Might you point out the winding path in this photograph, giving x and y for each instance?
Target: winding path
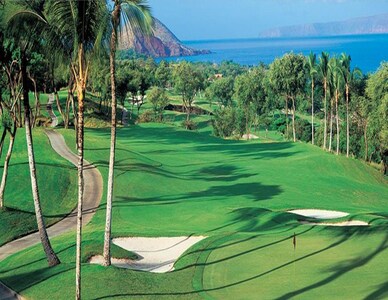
(92, 196)
(54, 119)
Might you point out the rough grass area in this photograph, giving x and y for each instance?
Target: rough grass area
(56, 181)
(171, 182)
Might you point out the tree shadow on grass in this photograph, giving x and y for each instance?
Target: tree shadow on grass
(345, 267)
(26, 280)
(253, 191)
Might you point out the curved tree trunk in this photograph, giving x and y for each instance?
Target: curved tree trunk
(325, 122)
(6, 165)
(50, 254)
(312, 111)
(2, 141)
(58, 103)
(108, 223)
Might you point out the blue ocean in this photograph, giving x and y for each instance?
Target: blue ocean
(366, 51)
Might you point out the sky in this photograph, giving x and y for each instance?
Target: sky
(222, 19)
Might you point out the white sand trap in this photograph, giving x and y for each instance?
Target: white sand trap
(339, 224)
(326, 214)
(319, 213)
(156, 255)
(249, 137)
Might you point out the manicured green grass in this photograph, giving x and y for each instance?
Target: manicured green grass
(171, 182)
(56, 182)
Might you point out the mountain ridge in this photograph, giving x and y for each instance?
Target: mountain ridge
(162, 43)
(377, 24)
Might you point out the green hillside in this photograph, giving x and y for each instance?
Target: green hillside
(171, 182)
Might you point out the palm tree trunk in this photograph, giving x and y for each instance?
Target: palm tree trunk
(325, 122)
(2, 140)
(81, 87)
(312, 111)
(347, 121)
(287, 117)
(108, 223)
(75, 117)
(337, 120)
(6, 164)
(293, 119)
(50, 254)
(331, 126)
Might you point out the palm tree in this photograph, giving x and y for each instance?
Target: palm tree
(324, 69)
(133, 15)
(312, 69)
(348, 77)
(337, 84)
(25, 34)
(10, 126)
(83, 25)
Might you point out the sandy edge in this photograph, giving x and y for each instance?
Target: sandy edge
(326, 214)
(157, 255)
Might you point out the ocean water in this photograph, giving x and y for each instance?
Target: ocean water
(366, 51)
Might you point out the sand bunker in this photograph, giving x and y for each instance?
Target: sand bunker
(326, 214)
(339, 224)
(319, 213)
(156, 255)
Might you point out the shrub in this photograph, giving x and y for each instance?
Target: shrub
(189, 124)
(224, 122)
(146, 117)
(303, 130)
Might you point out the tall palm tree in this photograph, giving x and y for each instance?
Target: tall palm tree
(312, 69)
(324, 69)
(127, 15)
(348, 77)
(83, 25)
(26, 34)
(337, 83)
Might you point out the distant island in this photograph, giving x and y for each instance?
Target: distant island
(163, 43)
(366, 25)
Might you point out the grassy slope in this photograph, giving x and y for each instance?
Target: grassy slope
(171, 182)
(56, 181)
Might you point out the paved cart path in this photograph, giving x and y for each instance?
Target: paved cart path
(92, 196)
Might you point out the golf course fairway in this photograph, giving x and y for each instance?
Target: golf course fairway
(171, 182)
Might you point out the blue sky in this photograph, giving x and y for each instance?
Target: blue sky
(220, 19)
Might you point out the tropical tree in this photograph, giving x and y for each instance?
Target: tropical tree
(287, 78)
(221, 90)
(82, 24)
(163, 74)
(324, 70)
(130, 15)
(159, 100)
(312, 70)
(348, 77)
(337, 84)
(10, 125)
(187, 82)
(377, 91)
(25, 34)
(250, 94)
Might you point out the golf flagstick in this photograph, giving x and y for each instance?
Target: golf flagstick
(294, 243)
